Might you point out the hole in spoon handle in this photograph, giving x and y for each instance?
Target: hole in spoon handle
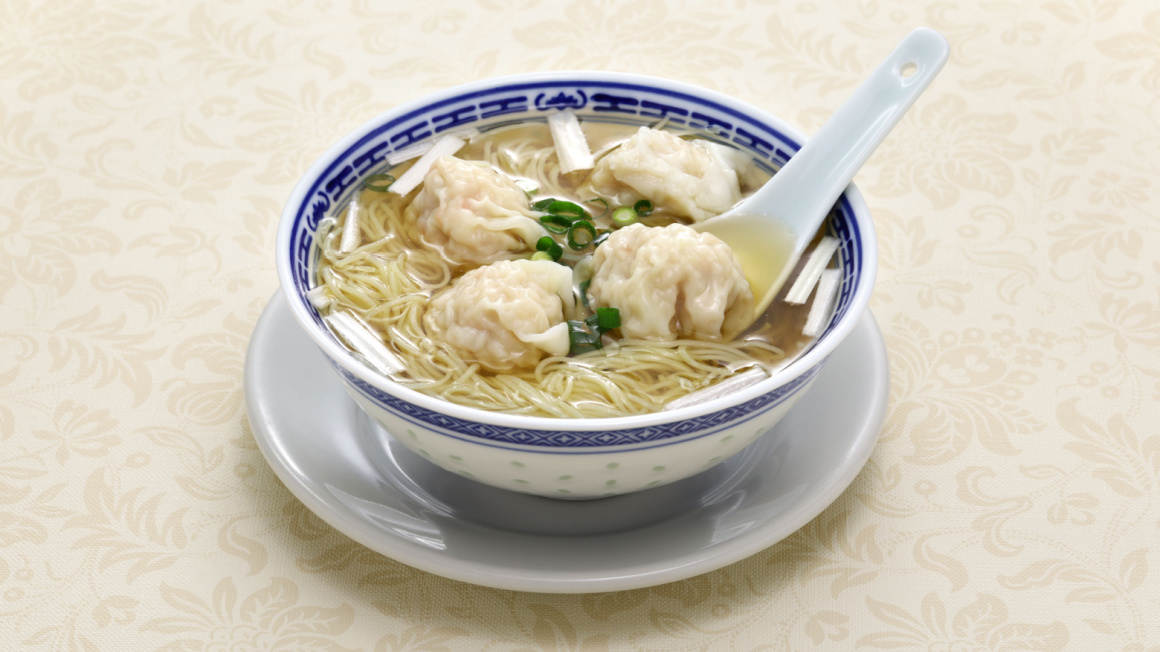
(805, 189)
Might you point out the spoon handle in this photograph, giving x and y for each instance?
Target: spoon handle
(803, 191)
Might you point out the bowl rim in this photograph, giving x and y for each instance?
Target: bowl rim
(815, 356)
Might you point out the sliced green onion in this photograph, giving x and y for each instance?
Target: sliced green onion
(584, 346)
(560, 207)
(601, 236)
(557, 224)
(608, 318)
(644, 208)
(581, 339)
(584, 293)
(567, 209)
(623, 216)
(543, 255)
(379, 182)
(528, 186)
(577, 227)
(602, 202)
(593, 324)
(549, 246)
(584, 336)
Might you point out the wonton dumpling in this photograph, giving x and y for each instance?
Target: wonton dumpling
(473, 214)
(671, 283)
(692, 179)
(505, 316)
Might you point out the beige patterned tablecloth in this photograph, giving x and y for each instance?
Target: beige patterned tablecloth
(1013, 502)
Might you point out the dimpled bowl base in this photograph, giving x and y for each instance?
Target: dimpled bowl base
(355, 476)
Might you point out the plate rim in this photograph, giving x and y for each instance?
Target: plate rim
(642, 575)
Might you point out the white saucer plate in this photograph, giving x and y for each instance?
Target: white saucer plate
(350, 472)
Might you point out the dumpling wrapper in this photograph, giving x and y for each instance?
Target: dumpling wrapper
(693, 179)
(507, 315)
(473, 214)
(670, 283)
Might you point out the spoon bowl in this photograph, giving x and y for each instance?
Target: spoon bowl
(769, 231)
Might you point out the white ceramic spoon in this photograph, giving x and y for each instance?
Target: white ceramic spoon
(769, 231)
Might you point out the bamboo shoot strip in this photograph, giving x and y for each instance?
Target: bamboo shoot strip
(820, 311)
(728, 386)
(418, 149)
(319, 297)
(362, 340)
(812, 271)
(571, 145)
(351, 232)
(445, 146)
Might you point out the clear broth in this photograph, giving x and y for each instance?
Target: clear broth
(518, 152)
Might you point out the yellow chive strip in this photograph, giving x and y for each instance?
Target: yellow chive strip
(409, 180)
(319, 297)
(351, 233)
(362, 340)
(725, 387)
(418, 149)
(571, 145)
(820, 311)
(812, 271)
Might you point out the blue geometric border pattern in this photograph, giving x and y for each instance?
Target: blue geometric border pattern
(572, 439)
(507, 102)
(845, 229)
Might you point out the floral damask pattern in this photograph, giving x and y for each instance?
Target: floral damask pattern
(615, 32)
(292, 130)
(42, 234)
(146, 149)
(953, 150)
(980, 625)
(53, 47)
(269, 618)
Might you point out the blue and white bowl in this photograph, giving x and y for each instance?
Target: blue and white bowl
(566, 458)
